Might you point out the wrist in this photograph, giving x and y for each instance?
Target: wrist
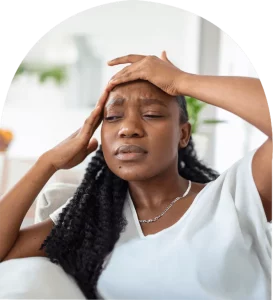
(45, 164)
(185, 83)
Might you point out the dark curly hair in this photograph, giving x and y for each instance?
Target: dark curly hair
(90, 225)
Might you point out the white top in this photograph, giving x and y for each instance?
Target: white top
(219, 249)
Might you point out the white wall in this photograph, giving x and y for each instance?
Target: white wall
(38, 115)
(209, 65)
(234, 139)
(125, 27)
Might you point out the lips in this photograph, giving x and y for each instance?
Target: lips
(130, 149)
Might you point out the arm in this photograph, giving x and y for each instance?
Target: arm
(29, 241)
(240, 95)
(245, 98)
(16, 203)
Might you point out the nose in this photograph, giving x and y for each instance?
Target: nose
(131, 127)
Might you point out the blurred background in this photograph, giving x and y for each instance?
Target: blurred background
(61, 78)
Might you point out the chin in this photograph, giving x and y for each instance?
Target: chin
(132, 173)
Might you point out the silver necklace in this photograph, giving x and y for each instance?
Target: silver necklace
(170, 205)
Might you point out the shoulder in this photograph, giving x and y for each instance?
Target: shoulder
(197, 187)
(236, 186)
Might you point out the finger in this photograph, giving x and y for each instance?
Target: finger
(131, 58)
(101, 102)
(122, 78)
(91, 123)
(123, 71)
(92, 146)
(127, 74)
(164, 57)
(75, 133)
(126, 77)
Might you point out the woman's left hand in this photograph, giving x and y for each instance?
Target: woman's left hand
(160, 72)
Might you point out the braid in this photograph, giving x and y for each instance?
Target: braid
(191, 168)
(91, 223)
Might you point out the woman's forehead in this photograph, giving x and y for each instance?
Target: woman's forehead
(137, 85)
(138, 90)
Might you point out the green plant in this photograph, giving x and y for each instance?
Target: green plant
(194, 108)
(57, 73)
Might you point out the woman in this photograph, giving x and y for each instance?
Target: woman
(149, 220)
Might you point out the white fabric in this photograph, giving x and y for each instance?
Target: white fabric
(219, 249)
(51, 198)
(36, 278)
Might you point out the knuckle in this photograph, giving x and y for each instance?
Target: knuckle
(150, 57)
(149, 61)
(125, 70)
(86, 121)
(79, 139)
(82, 141)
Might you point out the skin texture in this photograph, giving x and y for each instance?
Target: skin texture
(241, 96)
(152, 185)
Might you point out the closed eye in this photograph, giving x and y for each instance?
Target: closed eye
(152, 116)
(114, 118)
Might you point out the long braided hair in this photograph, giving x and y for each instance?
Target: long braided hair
(90, 224)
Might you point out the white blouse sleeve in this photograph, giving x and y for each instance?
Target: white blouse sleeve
(247, 200)
(55, 215)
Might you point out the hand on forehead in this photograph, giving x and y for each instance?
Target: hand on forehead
(157, 73)
(138, 90)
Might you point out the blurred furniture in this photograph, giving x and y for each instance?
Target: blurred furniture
(36, 278)
(6, 137)
(52, 198)
(16, 168)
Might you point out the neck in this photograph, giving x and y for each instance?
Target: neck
(159, 190)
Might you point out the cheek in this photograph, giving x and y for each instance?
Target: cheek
(105, 133)
(167, 137)
(108, 143)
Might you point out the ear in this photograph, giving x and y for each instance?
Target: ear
(185, 134)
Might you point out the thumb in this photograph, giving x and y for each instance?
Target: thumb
(92, 146)
(164, 57)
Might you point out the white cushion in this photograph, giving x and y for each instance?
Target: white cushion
(36, 277)
(51, 198)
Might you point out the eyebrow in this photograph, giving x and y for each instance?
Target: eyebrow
(144, 101)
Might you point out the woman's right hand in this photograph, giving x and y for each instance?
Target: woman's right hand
(74, 149)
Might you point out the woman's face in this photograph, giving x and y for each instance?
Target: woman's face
(141, 132)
